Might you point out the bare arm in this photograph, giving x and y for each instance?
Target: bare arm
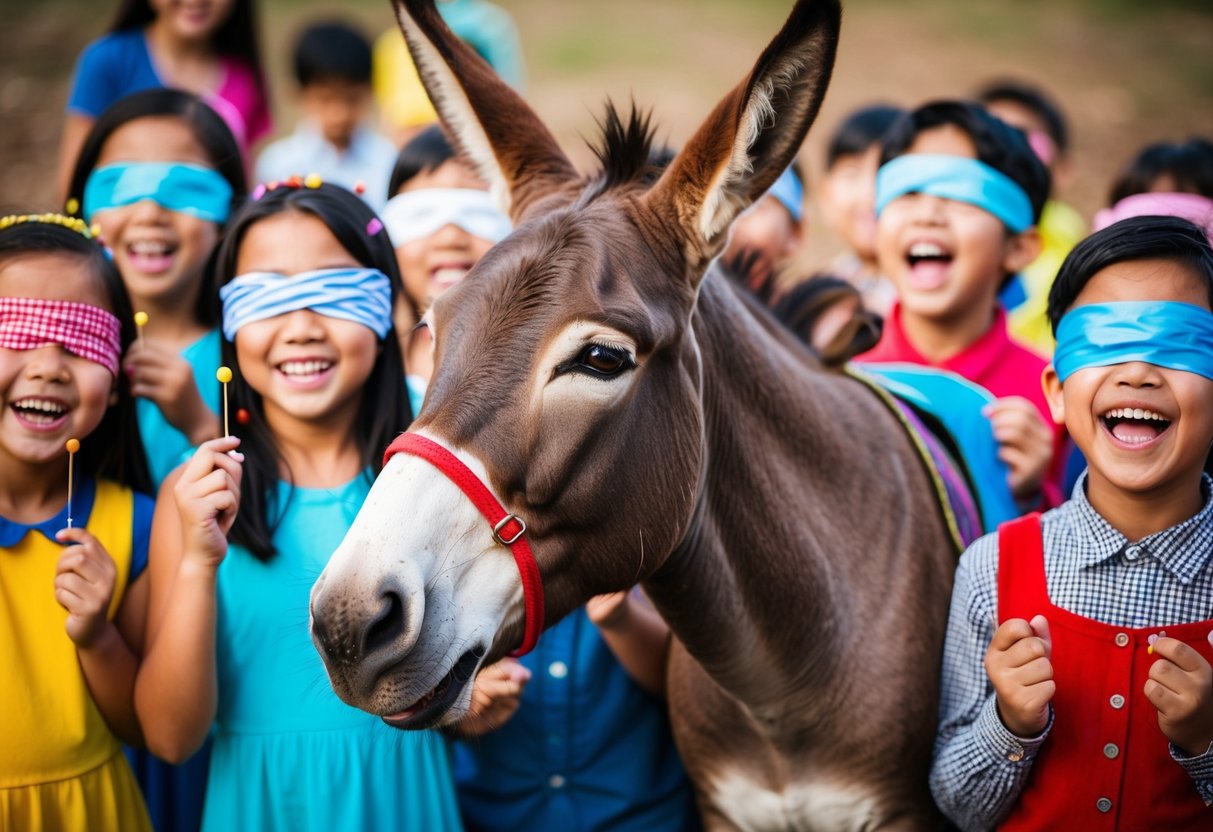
(75, 130)
(107, 650)
(636, 634)
(177, 690)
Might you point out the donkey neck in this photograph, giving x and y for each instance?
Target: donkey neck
(777, 487)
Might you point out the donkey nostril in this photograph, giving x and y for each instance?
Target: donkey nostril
(388, 626)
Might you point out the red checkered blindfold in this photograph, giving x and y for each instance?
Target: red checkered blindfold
(81, 329)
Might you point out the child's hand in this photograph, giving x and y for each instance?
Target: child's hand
(1181, 688)
(85, 577)
(168, 380)
(1025, 443)
(1017, 662)
(208, 495)
(607, 610)
(496, 695)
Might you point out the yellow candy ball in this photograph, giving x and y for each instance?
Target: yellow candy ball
(72, 206)
(140, 319)
(73, 445)
(224, 374)
(313, 180)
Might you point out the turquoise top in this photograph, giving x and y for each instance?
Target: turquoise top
(288, 754)
(164, 445)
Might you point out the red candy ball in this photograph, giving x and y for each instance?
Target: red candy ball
(242, 416)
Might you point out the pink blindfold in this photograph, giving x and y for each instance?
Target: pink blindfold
(81, 329)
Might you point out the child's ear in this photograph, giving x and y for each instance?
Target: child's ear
(1051, 384)
(1020, 250)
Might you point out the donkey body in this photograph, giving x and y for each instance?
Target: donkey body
(651, 424)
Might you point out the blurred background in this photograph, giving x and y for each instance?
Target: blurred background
(1126, 72)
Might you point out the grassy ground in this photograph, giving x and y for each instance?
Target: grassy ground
(1127, 72)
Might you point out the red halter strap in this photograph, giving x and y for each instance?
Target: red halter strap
(508, 529)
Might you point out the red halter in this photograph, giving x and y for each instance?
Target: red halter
(508, 529)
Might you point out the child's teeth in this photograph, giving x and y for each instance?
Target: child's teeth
(925, 250)
(304, 368)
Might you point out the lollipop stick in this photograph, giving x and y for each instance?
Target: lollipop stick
(73, 445)
(224, 375)
(140, 323)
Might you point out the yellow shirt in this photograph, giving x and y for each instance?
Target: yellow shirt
(52, 735)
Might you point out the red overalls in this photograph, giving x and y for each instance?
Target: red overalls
(1105, 764)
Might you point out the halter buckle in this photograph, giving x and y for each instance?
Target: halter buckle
(502, 523)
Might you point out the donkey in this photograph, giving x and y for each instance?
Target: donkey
(645, 422)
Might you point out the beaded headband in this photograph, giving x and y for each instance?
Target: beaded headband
(70, 223)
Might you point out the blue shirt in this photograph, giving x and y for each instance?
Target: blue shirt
(164, 445)
(369, 159)
(11, 532)
(588, 749)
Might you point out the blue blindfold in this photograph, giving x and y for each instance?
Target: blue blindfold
(187, 189)
(1178, 336)
(958, 178)
(363, 296)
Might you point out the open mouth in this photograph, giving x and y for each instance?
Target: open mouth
(447, 275)
(1134, 426)
(929, 263)
(39, 413)
(426, 711)
(151, 256)
(306, 372)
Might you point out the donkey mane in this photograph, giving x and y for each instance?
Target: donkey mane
(624, 151)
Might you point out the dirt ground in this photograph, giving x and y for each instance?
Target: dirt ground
(1127, 73)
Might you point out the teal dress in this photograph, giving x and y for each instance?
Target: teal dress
(174, 794)
(164, 445)
(287, 753)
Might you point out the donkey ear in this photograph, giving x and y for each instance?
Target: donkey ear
(510, 147)
(752, 135)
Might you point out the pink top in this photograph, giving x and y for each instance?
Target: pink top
(995, 361)
(238, 100)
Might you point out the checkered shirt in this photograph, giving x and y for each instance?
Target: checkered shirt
(1091, 569)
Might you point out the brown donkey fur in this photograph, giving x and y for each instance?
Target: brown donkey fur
(651, 424)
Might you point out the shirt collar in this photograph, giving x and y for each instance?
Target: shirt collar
(1183, 549)
(974, 362)
(12, 532)
(318, 145)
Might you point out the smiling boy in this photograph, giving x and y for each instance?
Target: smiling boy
(1077, 686)
(958, 196)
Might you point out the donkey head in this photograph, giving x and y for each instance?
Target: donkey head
(566, 375)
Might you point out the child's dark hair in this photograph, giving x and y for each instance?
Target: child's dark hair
(384, 410)
(114, 450)
(332, 52)
(860, 130)
(236, 37)
(1189, 164)
(1137, 238)
(212, 134)
(801, 308)
(426, 151)
(1034, 100)
(998, 145)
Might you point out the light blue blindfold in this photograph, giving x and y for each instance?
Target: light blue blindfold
(958, 178)
(1178, 336)
(790, 193)
(363, 296)
(187, 189)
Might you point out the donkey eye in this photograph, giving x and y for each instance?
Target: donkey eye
(599, 360)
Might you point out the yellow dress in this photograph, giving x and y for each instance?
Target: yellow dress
(61, 768)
